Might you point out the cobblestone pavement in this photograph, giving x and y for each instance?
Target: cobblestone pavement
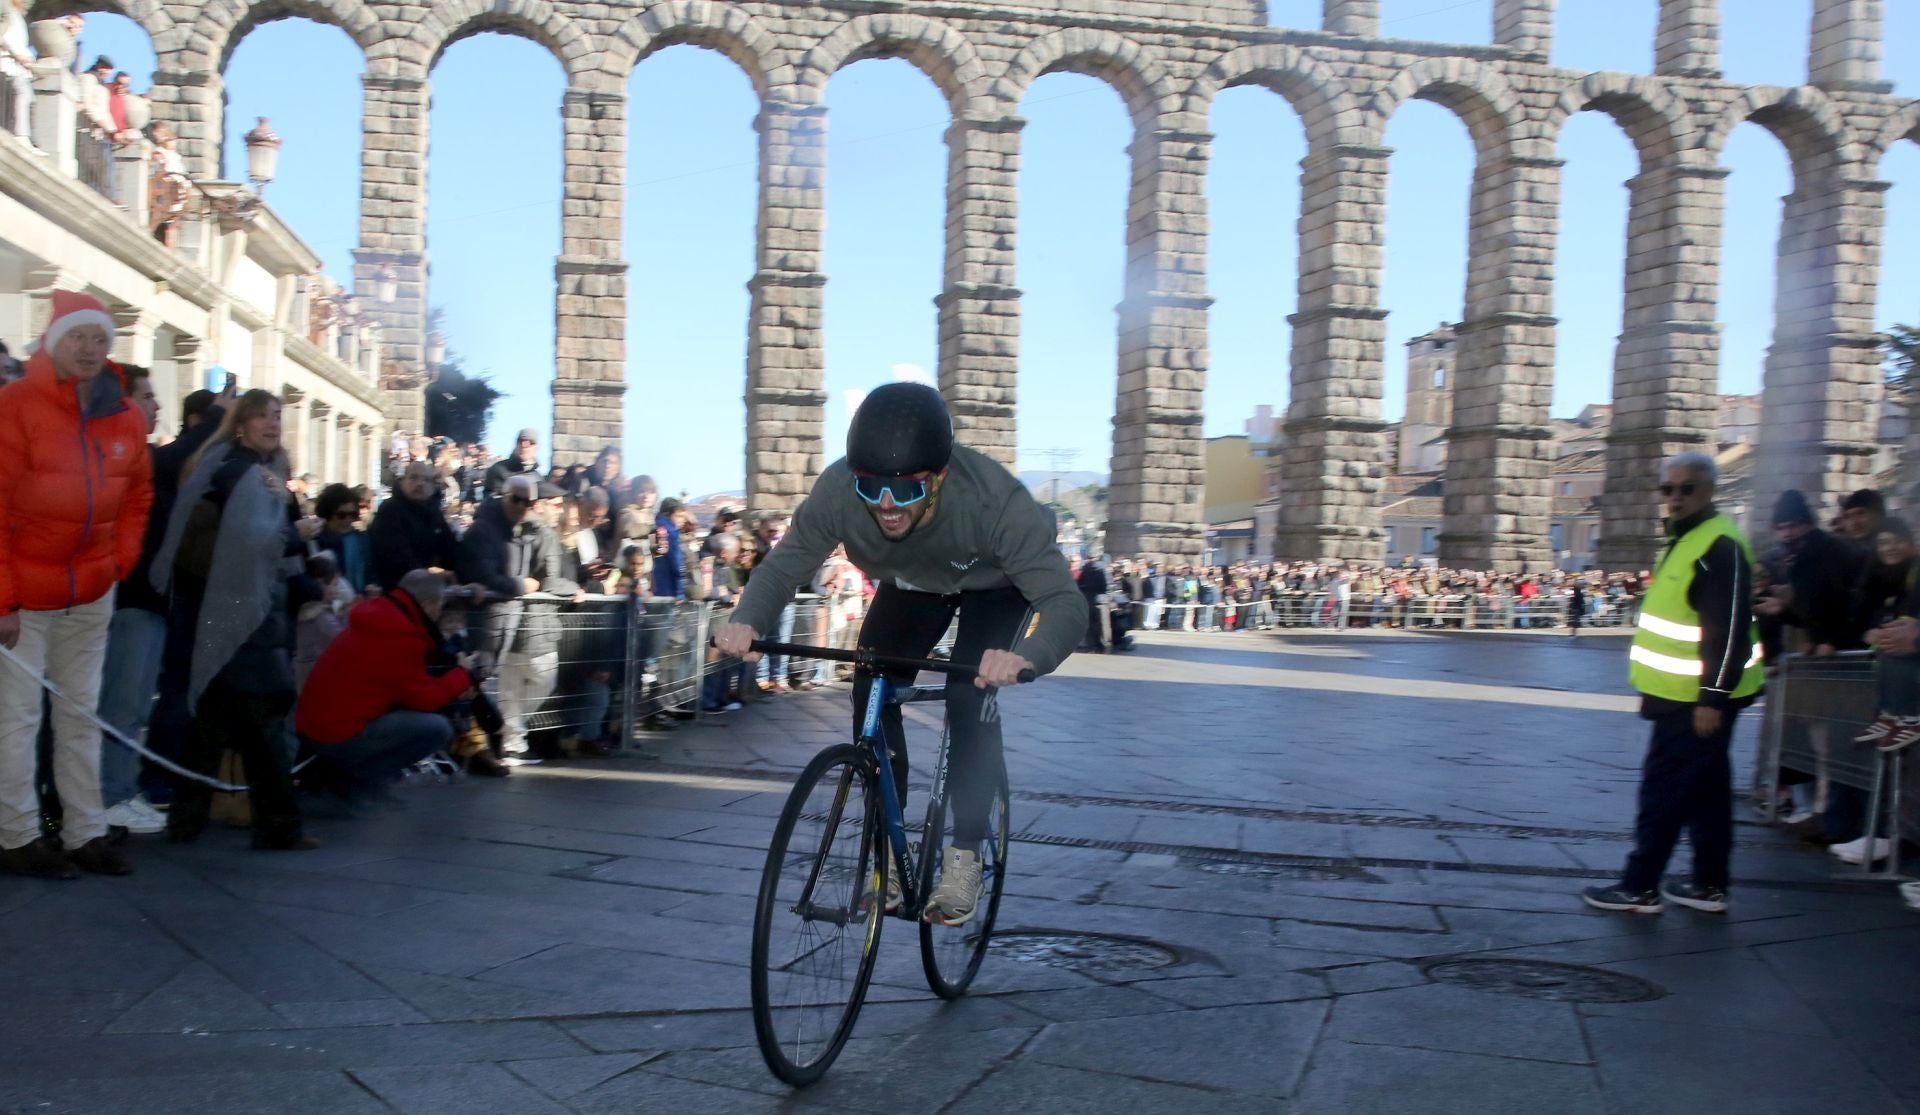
(1303, 826)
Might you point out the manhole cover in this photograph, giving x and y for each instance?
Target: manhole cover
(1083, 952)
(1544, 979)
(1289, 871)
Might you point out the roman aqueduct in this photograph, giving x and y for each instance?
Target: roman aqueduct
(1168, 59)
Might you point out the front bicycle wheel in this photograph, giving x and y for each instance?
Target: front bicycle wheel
(816, 929)
(952, 954)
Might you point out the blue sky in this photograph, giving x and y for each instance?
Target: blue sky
(493, 220)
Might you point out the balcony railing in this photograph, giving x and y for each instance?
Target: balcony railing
(10, 106)
(93, 159)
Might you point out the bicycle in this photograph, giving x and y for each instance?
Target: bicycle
(826, 884)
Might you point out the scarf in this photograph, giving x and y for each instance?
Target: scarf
(249, 558)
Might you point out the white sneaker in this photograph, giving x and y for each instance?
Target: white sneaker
(136, 816)
(957, 898)
(1850, 848)
(1911, 892)
(1857, 851)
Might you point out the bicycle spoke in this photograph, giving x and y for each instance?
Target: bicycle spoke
(818, 919)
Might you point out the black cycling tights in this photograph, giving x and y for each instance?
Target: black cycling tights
(907, 624)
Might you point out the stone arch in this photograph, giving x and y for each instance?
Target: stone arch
(1802, 118)
(1477, 94)
(936, 49)
(151, 15)
(726, 28)
(221, 26)
(1133, 70)
(1324, 103)
(1903, 124)
(449, 21)
(1653, 118)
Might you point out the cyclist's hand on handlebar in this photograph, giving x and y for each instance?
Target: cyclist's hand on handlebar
(1000, 667)
(734, 639)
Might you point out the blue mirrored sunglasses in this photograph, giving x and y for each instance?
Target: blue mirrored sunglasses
(907, 490)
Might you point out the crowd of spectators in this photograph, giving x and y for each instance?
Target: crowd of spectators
(1250, 596)
(312, 640)
(1848, 587)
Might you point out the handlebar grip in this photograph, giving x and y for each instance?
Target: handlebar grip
(1027, 677)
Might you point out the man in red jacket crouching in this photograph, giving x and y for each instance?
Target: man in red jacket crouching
(371, 708)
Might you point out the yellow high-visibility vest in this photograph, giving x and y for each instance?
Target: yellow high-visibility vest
(1665, 659)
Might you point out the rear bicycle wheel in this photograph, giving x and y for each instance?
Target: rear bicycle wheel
(951, 954)
(816, 928)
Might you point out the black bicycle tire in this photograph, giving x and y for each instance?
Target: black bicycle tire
(931, 834)
(763, 1025)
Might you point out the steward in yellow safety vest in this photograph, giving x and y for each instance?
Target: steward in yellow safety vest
(1696, 661)
(1697, 642)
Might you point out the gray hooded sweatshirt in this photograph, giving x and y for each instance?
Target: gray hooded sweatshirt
(986, 532)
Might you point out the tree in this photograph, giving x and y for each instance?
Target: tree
(1902, 348)
(458, 405)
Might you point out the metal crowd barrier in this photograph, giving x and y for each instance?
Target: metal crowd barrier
(1452, 611)
(621, 660)
(1814, 708)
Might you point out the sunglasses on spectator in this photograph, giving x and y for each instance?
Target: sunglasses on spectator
(906, 490)
(1683, 489)
(344, 513)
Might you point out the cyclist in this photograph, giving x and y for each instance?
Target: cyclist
(942, 528)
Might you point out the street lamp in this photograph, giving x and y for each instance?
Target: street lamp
(263, 155)
(436, 350)
(388, 287)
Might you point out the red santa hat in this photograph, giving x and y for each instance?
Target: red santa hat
(72, 309)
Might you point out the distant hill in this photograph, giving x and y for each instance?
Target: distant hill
(1041, 483)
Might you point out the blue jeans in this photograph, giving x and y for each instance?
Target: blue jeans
(389, 744)
(595, 698)
(135, 640)
(773, 667)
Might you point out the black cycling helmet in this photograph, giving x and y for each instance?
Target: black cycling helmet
(901, 428)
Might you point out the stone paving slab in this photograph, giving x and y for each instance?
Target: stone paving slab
(1304, 824)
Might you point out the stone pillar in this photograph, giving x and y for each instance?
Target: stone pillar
(1158, 478)
(55, 113)
(1665, 368)
(786, 361)
(133, 336)
(190, 95)
(1844, 50)
(340, 460)
(393, 234)
(1823, 369)
(1524, 26)
(979, 306)
(1332, 446)
(320, 451)
(590, 279)
(131, 170)
(1688, 42)
(1498, 480)
(1351, 17)
(293, 428)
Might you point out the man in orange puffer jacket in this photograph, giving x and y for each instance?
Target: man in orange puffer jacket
(75, 485)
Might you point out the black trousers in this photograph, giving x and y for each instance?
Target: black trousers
(1686, 785)
(908, 624)
(252, 726)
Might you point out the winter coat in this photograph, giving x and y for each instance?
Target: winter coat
(504, 469)
(407, 536)
(136, 590)
(376, 666)
(670, 566)
(499, 555)
(75, 486)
